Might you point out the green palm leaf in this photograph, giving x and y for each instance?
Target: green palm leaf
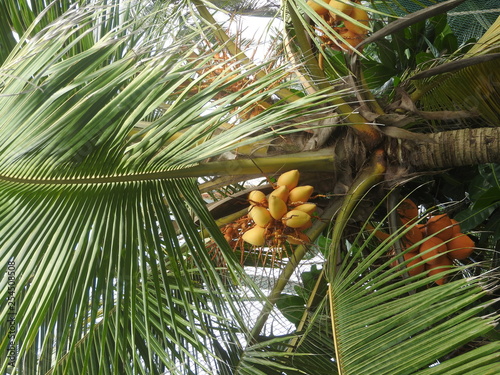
(108, 112)
(112, 272)
(384, 324)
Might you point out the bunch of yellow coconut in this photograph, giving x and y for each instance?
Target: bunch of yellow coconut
(350, 32)
(281, 216)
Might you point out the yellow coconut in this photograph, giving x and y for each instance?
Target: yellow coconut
(255, 236)
(341, 7)
(317, 7)
(362, 17)
(307, 225)
(298, 239)
(277, 208)
(308, 208)
(300, 194)
(296, 218)
(260, 216)
(289, 179)
(257, 197)
(350, 38)
(281, 192)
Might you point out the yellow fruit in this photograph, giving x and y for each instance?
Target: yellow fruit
(260, 216)
(255, 236)
(341, 7)
(296, 218)
(307, 225)
(461, 246)
(361, 16)
(440, 226)
(308, 208)
(257, 197)
(300, 194)
(431, 247)
(350, 37)
(289, 179)
(281, 192)
(298, 239)
(317, 7)
(277, 208)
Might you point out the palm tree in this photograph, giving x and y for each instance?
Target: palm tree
(120, 119)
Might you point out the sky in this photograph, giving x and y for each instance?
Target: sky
(253, 28)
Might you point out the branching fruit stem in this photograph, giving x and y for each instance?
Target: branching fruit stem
(289, 269)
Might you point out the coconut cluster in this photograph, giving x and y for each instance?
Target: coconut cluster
(281, 216)
(443, 242)
(350, 32)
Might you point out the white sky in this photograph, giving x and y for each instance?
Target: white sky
(253, 28)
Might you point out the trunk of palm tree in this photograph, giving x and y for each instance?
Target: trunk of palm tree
(455, 148)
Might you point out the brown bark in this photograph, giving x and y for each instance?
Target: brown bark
(448, 149)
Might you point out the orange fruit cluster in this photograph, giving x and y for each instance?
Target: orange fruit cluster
(443, 242)
(350, 32)
(281, 216)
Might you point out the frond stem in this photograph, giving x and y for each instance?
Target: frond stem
(310, 162)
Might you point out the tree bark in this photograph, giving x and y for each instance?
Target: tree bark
(448, 149)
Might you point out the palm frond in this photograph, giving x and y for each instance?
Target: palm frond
(75, 114)
(382, 323)
(470, 89)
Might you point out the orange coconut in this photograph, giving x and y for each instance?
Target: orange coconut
(308, 208)
(277, 208)
(440, 226)
(461, 246)
(415, 270)
(407, 209)
(260, 216)
(456, 226)
(422, 229)
(438, 267)
(413, 235)
(431, 247)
